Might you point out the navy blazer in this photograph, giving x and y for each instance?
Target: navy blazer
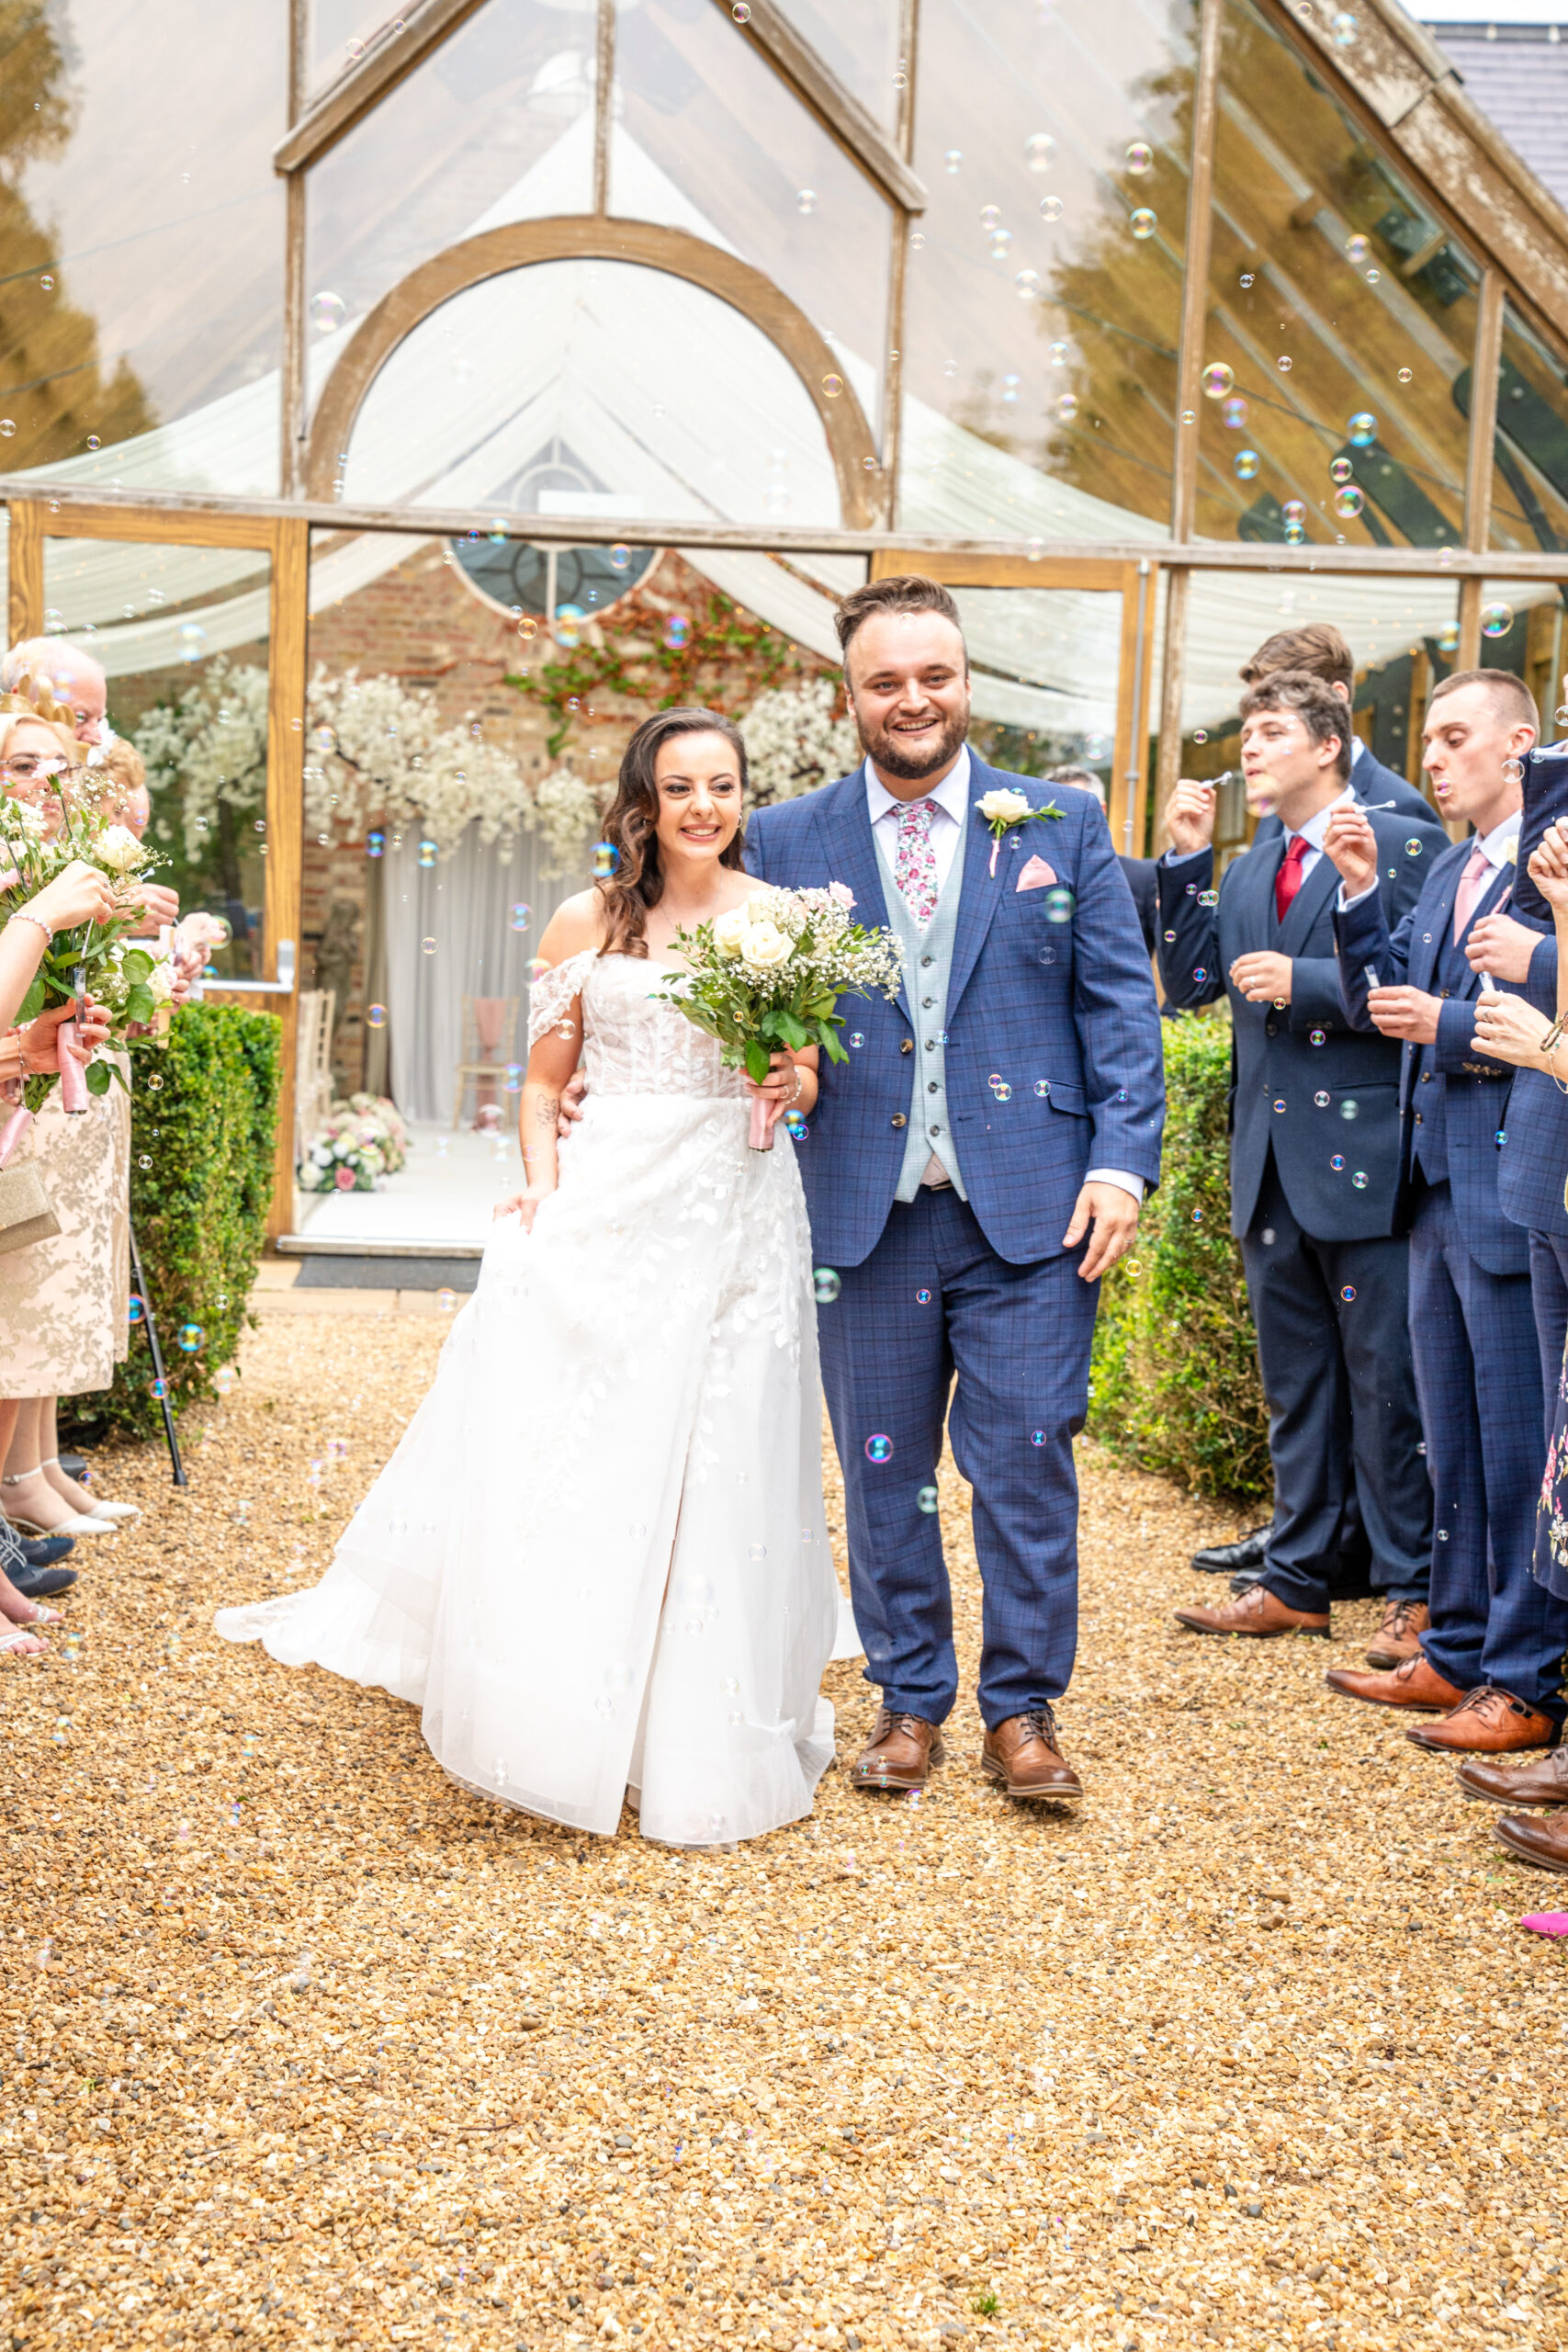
(1049, 997)
(1545, 799)
(1446, 1089)
(1303, 1079)
(1533, 1164)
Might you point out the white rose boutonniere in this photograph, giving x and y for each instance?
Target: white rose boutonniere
(1003, 809)
(1511, 850)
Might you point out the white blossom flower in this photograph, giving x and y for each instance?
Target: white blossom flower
(729, 931)
(793, 743)
(1004, 807)
(117, 848)
(767, 946)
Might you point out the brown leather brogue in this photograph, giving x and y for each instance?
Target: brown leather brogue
(1415, 1684)
(1257, 1612)
(1023, 1754)
(1544, 1780)
(1399, 1635)
(1545, 1843)
(1487, 1722)
(899, 1753)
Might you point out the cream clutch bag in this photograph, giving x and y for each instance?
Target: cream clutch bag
(27, 1213)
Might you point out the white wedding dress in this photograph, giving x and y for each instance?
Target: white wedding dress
(598, 1559)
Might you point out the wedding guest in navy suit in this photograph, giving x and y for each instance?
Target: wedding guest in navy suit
(972, 1169)
(1492, 1655)
(1315, 1164)
(1319, 649)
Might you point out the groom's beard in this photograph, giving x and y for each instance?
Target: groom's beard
(894, 756)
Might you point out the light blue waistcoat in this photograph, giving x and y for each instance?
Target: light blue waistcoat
(928, 965)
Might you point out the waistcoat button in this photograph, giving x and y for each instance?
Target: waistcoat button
(931, 1087)
(898, 1119)
(907, 1047)
(928, 959)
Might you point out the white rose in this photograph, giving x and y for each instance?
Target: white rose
(161, 981)
(729, 932)
(840, 894)
(765, 945)
(119, 849)
(1008, 805)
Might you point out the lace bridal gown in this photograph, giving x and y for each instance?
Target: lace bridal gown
(597, 1559)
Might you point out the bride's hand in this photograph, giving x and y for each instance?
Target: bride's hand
(781, 1088)
(526, 1204)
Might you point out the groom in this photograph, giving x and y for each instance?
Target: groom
(970, 1171)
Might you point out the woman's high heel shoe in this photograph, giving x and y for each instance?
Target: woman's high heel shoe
(78, 1523)
(100, 1508)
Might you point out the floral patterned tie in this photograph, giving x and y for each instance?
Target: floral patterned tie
(914, 868)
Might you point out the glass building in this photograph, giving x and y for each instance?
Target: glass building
(425, 344)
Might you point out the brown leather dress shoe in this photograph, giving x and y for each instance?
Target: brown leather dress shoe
(1257, 1612)
(1487, 1722)
(1413, 1684)
(1544, 1780)
(1023, 1754)
(898, 1754)
(1399, 1635)
(1545, 1843)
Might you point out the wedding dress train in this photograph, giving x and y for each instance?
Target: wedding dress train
(598, 1559)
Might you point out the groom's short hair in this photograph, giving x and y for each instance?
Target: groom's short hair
(907, 592)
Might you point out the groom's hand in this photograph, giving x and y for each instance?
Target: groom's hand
(1114, 1214)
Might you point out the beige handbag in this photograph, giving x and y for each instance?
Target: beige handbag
(27, 1213)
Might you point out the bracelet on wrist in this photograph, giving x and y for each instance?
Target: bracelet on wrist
(22, 915)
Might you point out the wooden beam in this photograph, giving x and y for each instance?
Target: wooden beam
(413, 36)
(24, 578)
(1173, 678)
(604, 93)
(864, 141)
(1468, 657)
(1195, 267)
(1481, 460)
(587, 237)
(286, 823)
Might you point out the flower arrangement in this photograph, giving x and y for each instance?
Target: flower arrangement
(769, 974)
(794, 743)
(363, 1142)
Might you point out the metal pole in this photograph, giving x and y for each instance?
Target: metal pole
(179, 1475)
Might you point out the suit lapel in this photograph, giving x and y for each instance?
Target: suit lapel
(981, 894)
(1427, 952)
(1307, 905)
(1259, 868)
(851, 855)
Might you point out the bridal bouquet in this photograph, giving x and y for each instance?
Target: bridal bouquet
(769, 976)
(95, 960)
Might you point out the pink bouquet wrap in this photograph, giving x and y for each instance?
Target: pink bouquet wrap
(760, 1135)
(73, 1073)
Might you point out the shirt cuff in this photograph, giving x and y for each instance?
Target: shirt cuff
(1120, 1177)
(1346, 904)
(1185, 856)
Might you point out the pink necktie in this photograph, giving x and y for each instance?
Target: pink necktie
(914, 868)
(1472, 882)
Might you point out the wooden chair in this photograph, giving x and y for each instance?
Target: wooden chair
(490, 1024)
(313, 1067)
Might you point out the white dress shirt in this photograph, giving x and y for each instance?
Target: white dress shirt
(950, 816)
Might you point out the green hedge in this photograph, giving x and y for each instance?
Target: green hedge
(199, 1205)
(1174, 1385)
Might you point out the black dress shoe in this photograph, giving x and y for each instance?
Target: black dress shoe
(45, 1551)
(1228, 1560)
(42, 1584)
(1244, 1578)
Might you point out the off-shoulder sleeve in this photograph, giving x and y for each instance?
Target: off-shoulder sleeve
(554, 990)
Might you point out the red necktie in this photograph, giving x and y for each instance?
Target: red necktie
(1287, 880)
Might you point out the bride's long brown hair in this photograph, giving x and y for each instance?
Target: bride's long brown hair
(631, 825)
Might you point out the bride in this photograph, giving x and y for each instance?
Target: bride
(598, 1559)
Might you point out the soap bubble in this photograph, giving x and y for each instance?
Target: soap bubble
(1341, 470)
(1217, 379)
(1002, 1091)
(1349, 1108)
(879, 1449)
(158, 1389)
(1348, 1294)
(192, 641)
(374, 844)
(606, 858)
(1362, 429)
(1337, 1164)
(951, 160)
(1059, 354)
(1140, 155)
(1343, 28)
(826, 1286)
(1359, 1180)
(1043, 1088)
(1142, 222)
(427, 946)
(990, 216)
(927, 1498)
(328, 312)
(191, 1337)
(223, 1380)
(857, 1037)
(806, 200)
(922, 1298)
(1497, 620)
(7, 428)
(741, 12)
(1068, 407)
(1051, 209)
(1246, 464)
(376, 1017)
(796, 1126)
(1246, 279)
(446, 1300)
(521, 917)
(137, 1308)
(1039, 151)
(144, 1162)
(428, 853)
(1037, 1438)
(1233, 413)
(1356, 250)
(1279, 1102)
(1199, 975)
(832, 386)
(1059, 905)
(1293, 511)
(1347, 503)
(1026, 286)
(1283, 363)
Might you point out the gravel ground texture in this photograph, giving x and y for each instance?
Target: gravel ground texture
(311, 2046)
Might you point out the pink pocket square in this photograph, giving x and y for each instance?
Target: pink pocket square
(1035, 876)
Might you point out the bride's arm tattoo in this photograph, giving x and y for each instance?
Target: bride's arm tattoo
(546, 1110)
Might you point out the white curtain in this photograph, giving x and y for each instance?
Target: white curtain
(464, 905)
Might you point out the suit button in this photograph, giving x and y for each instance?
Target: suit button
(1418, 1120)
(926, 960)
(1271, 1028)
(1425, 1078)
(908, 1046)
(899, 1120)
(928, 1001)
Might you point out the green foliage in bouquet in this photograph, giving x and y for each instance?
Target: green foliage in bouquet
(766, 978)
(1174, 1385)
(200, 1207)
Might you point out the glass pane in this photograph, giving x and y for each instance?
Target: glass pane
(708, 139)
(142, 245)
(182, 633)
(1403, 633)
(1341, 323)
(1529, 484)
(547, 392)
(498, 125)
(858, 42)
(1522, 629)
(458, 759)
(1044, 286)
(343, 31)
(1045, 665)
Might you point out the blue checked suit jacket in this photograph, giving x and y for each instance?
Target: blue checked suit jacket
(1458, 1098)
(1032, 1000)
(1282, 1061)
(1533, 1166)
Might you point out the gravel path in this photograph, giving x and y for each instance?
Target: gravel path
(311, 2046)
